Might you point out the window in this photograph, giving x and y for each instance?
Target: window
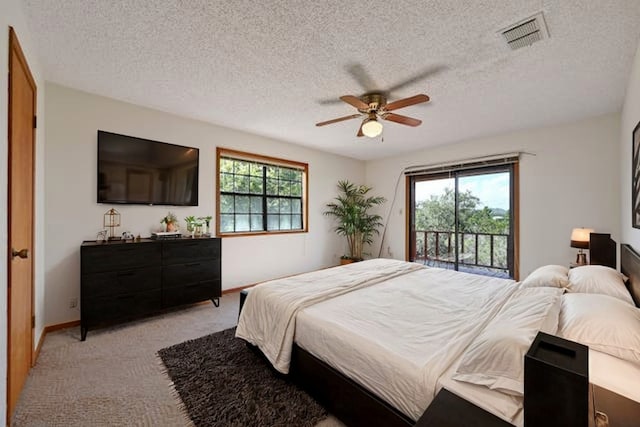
(464, 219)
(259, 194)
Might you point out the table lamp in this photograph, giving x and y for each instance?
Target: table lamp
(580, 240)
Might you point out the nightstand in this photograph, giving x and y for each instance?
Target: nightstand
(450, 410)
(620, 411)
(556, 383)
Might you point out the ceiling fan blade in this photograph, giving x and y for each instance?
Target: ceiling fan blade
(360, 130)
(403, 120)
(361, 77)
(340, 119)
(417, 77)
(355, 101)
(401, 103)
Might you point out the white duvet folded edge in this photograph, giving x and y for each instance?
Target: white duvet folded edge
(495, 359)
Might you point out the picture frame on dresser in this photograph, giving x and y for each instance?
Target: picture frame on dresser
(635, 177)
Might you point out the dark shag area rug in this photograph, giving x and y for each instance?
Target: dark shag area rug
(222, 382)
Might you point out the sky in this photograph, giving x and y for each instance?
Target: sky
(492, 189)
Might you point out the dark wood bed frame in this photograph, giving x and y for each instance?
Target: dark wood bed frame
(356, 406)
(342, 397)
(630, 267)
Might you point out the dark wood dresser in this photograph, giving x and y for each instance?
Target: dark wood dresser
(124, 280)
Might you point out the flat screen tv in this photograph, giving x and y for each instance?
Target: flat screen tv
(140, 171)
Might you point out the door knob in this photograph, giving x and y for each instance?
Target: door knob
(24, 253)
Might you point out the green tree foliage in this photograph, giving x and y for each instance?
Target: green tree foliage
(438, 214)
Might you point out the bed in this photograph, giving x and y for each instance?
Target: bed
(358, 345)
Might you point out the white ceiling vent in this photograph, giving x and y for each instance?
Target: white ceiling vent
(526, 32)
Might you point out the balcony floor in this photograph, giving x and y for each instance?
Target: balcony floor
(465, 268)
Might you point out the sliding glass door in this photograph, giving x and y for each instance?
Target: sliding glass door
(464, 220)
(434, 220)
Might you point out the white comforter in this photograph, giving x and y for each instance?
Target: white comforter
(399, 337)
(269, 313)
(402, 330)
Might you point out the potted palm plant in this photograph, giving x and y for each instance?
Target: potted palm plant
(351, 211)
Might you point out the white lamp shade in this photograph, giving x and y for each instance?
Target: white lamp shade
(580, 237)
(372, 128)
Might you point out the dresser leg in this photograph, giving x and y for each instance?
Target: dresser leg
(83, 333)
(216, 301)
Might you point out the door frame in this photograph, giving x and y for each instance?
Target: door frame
(15, 48)
(514, 200)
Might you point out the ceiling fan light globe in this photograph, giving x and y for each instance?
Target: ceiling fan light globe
(372, 128)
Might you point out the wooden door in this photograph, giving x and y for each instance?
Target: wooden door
(22, 109)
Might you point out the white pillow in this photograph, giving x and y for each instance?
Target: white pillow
(603, 323)
(598, 279)
(548, 275)
(495, 358)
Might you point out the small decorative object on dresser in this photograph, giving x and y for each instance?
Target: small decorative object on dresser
(101, 237)
(170, 221)
(207, 228)
(111, 221)
(194, 226)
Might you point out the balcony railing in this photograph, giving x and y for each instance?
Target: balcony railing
(476, 250)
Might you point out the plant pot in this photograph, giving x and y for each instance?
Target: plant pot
(171, 227)
(344, 261)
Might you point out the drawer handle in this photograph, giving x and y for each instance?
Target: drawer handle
(121, 297)
(125, 273)
(193, 264)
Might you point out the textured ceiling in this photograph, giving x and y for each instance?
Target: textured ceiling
(274, 68)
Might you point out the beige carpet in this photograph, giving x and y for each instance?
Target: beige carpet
(115, 378)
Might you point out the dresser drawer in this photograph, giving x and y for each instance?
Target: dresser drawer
(191, 293)
(120, 282)
(193, 272)
(119, 256)
(102, 309)
(186, 251)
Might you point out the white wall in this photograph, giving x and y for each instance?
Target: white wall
(572, 181)
(11, 15)
(73, 214)
(629, 119)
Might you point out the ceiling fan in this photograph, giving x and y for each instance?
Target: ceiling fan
(372, 107)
